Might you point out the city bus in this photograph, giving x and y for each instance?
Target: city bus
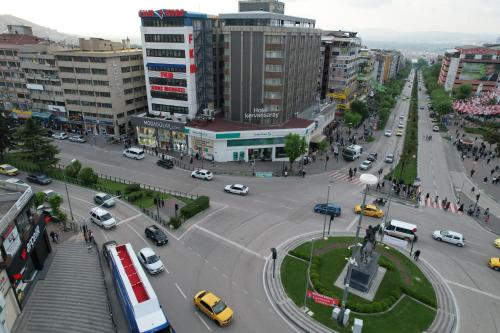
(138, 300)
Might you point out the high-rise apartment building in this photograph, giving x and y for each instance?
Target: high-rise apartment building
(339, 75)
(103, 85)
(478, 66)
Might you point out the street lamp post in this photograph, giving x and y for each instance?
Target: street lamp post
(367, 179)
(389, 200)
(326, 210)
(67, 193)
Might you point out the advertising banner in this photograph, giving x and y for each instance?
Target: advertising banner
(322, 299)
(480, 72)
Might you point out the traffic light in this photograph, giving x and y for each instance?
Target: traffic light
(477, 196)
(275, 254)
(155, 201)
(176, 207)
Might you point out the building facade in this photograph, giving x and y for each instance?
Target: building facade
(474, 65)
(23, 250)
(270, 64)
(103, 85)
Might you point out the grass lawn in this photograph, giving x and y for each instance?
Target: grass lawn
(295, 283)
(475, 130)
(409, 172)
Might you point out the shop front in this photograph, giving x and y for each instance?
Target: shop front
(160, 133)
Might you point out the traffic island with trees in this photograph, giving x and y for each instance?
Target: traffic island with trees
(404, 302)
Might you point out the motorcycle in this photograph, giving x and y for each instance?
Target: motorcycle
(380, 201)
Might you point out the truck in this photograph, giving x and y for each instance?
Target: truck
(352, 152)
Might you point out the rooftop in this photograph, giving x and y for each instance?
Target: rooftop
(17, 39)
(223, 125)
(7, 199)
(264, 15)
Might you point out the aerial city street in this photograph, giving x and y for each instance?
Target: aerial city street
(249, 171)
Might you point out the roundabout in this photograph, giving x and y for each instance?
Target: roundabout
(410, 296)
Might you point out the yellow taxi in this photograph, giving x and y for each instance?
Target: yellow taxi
(494, 263)
(8, 170)
(497, 242)
(399, 132)
(214, 307)
(370, 210)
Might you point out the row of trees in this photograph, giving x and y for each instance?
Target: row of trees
(29, 142)
(441, 101)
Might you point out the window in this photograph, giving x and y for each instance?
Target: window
(66, 69)
(169, 95)
(100, 83)
(87, 82)
(227, 38)
(124, 58)
(274, 68)
(120, 115)
(129, 101)
(102, 94)
(273, 82)
(165, 53)
(86, 93)
(140, 89)
(227, 51)
(63, 58)
(275, 39)
(73, 102)
(157, 22)
(99, 71)
(167, 82)
(97, 59)
(138, 78)
(272, 94)
(105, 105)
(127, 80)
(128, 91)
(137, 68)
(82, 70)
(170, 108)
(71, 92)
(130, 112)
(87, 103)
(125, 69)
(274, 54)
(162, 38)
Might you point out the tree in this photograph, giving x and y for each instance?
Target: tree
(72, 170)
(492, 137)
(87, 176)
(34, 146)
(322, 146)
(352, 118)
(421, 63)
(360, 108)
(295, 146)
(463, 92)
(6, 136)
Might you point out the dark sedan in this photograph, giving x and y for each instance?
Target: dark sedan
(39, 178)
(332, 209)
(165, 163)
(156, 235)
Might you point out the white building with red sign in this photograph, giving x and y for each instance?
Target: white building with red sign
(178, 63)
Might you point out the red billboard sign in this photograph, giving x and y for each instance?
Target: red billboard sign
(168, 89)
(166, 75)
(322, 299)
(161, 13)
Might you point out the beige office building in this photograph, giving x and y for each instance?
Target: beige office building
(103, 85)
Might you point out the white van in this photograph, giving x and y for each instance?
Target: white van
(134, 153)
(102, 218)
(352, 152)
(402, 230)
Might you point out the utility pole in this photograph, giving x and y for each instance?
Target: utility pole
(326, 210)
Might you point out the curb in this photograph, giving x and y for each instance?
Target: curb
(444, 322)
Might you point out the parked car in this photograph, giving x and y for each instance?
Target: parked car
(435, 128)
(156, 235)
(202, 174)
(497, 243)
(102, 218)
(449, 237)
(134, 153)
(60, 136)
(372, 157)
(365, 165)
(332, 209)
(388, 133)
(399, 132)
(401, 125)
(77, 138)
(494, 263)
(389, 158)
(39, 178)
(15, 181)
(9, 170)
(237, 189)
(150, 261)
(104, 199)
(165, 163)
(370, 210)
(213, 307)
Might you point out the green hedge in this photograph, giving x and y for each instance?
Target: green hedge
(175, 222)
(132, 188)
(194, 207)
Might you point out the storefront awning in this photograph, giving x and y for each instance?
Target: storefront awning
(61, 119)
(318, 138)
(41, 115)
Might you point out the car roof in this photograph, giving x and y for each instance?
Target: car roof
(101, 194)
(147, 251)
(210, 298)
(153, 228)
(404, 225)
(48, 191)
(367, 162)
(99, 210)
(239, 185)
(371, 206)
(453, 233)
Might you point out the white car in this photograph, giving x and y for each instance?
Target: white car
(60, 136)
(449, 237)
(435, 128)
(365, 165)
(15, 181)
(102, 218)
(389, 158)
(50, 193)
(150, 261)
(388, 133)
(202, 174)
(236, 189)
(77, 138)
(401, 125)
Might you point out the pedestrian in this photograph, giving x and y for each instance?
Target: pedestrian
(485, 180)
(91, 237)
(427, 196)
(52, 235)
(488, 160)
(473, 189)
(213, 160)
(487, 218)
(85, 236)
(472, 172)
(416, 255)
(461, 208)
(303, 173)
(162, 203)
(191, 160)
(436, 199)
(383, 184)
(182, 155)
(350, 173)
(355, 170)
(492, 172)
(286, 173)
(448, 206)
(487, 211)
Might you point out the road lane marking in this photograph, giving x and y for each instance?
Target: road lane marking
(352, 223)
(215, 268)
(473, 289)
(245, 291)
(129, 219)
(202, 220)
(203, 321)
(180, 290)
(225, 276)
(239, 246)
(138, 234)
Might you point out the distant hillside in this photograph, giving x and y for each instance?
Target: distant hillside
(38, 30)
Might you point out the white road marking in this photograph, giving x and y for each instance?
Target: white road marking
(206, 261)
(138, 234)
(245, 291)
(180, 290)
(225, 276)
(239, 246)
(215, 268)
(474, 290)
(351, 224)
(129, 219)
(203, 321)
(202, 220)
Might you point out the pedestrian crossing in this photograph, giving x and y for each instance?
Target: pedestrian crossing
(431, 204)
(345, 177)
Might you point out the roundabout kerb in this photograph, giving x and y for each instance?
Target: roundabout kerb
(445, 320)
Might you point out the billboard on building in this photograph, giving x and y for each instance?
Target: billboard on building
(480, 71)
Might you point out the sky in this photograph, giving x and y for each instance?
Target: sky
(119, 18)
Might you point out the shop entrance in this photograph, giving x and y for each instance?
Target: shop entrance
(263, 154)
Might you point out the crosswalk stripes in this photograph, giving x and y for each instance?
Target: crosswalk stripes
(345, 177)
(431, 204)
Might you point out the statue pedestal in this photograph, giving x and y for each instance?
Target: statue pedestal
(362, 275)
